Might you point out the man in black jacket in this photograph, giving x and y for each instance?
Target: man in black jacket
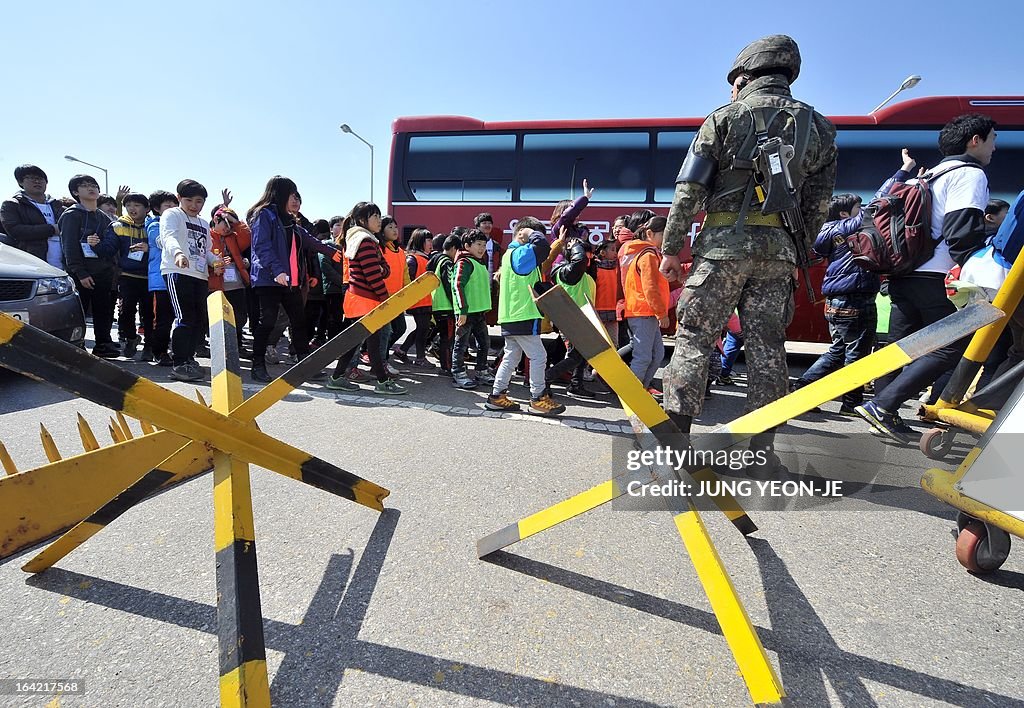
(29, 218)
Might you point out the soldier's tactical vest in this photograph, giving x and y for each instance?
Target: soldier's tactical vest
(792, 123)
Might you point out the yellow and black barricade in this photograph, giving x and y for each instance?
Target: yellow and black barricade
(77, 489)
(973, 416)
(586, 334)
(243, 656)
(988, 488)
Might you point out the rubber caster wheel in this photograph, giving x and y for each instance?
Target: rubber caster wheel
(981, 548)
(936, 443)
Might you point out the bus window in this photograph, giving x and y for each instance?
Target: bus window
(869, 157)
(615, 164)
(461, 167)
(672, 147)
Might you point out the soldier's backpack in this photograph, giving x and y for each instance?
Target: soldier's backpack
(896, 236)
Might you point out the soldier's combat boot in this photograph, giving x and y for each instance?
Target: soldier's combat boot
(683, 422)
(766, 464)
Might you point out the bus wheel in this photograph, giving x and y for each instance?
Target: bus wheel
(981, 548)
(936, 443)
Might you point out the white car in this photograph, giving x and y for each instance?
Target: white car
(38, 294)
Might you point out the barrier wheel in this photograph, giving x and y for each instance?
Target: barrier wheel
(973, 548)
(936, 443)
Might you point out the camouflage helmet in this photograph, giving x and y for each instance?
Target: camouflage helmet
(776, 53)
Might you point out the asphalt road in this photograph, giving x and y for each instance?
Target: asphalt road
(858, 604)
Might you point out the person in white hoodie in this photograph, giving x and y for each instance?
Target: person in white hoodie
(185, 263)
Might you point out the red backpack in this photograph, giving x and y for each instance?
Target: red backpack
(896, 236)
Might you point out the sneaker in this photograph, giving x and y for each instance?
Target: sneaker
(880, 421)
(109, 350)
(589, 375)
(203, 350)
(501, 402)
(484, 377)
(392, 371)
(461, 380)
(145, 355)
(848, 409)
(390, 388)
(580, 391)
(186, 372)
(129, 347)
(725, 380)
(901, 425)
(546, 405)
(401, 356)
(658, 395)
(165, 360)
(259, 374)
(354, 374)
(341, 383)
(364, 358)
(273, 356)
(422, 364)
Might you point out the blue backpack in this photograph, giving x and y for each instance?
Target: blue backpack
(1009, 240)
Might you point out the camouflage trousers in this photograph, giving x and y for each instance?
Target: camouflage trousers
(762, 292)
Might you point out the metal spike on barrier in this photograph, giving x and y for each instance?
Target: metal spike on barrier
(89, 442)
(123, 424)
(6, 461)
(49, 446)
(147, 427)
(115, 431)
(199, 397)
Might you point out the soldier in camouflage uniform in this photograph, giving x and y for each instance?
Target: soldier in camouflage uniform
(748, 266)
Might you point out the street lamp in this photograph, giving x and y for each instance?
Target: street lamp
(106, 187)
(346, 129)
(909, 82)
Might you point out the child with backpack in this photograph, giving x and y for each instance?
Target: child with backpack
(647, 299)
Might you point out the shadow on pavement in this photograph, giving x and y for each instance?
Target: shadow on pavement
(325, 644)
(807, 652)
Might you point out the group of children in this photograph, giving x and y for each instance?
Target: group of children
(479, 279)
(161, 259)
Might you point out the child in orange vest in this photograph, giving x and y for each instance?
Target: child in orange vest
(421, 245)
(398, 278)
(647, 298)
(609, 287)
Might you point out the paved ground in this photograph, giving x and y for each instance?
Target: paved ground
(857, 606)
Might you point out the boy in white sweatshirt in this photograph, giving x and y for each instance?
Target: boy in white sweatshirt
(184, 264)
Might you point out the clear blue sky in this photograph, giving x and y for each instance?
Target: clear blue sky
(233, 93)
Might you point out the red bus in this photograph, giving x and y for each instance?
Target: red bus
(447, 169)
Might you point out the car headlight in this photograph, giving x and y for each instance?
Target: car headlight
(60, 286)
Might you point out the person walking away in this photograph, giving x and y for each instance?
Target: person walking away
(421, 245)
(520, 319)
(959, 195)
(471, 299)
(442, 264)
(647, 299)
(744, 257)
